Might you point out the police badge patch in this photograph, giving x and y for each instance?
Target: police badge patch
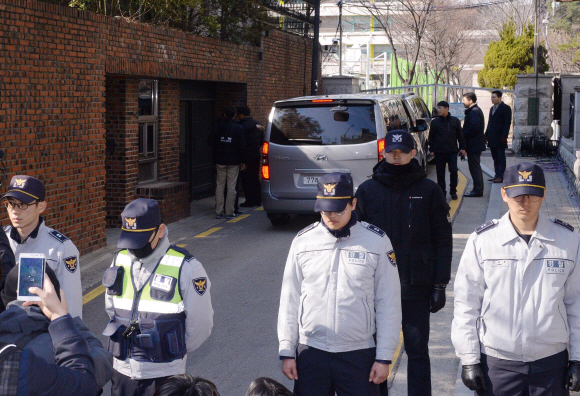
(392, 258)
(71, 263)
(200, 285)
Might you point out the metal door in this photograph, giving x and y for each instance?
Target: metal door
(195, 155)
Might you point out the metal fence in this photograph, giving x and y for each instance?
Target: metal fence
(436, 92)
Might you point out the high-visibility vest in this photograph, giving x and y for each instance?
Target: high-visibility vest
(157, 311)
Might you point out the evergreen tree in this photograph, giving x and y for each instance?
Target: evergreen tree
(513, 54)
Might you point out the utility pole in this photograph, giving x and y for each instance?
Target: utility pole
(385, 71)
(368, 76)
(339, 4)
(536, 38)
(315, 45)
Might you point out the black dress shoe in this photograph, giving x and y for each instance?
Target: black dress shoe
(492, 179)
(473, 194)
(498, 180)
(454, 197)
(247, 205)
(237, 212)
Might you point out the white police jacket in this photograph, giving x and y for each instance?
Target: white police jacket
(338, 292)
(62, 257)
(198, 310)
(517, 301)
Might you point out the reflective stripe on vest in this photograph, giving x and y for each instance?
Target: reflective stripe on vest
(159, 313)
(169, 265)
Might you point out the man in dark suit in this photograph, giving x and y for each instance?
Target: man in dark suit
(496, 134)
(473, 128)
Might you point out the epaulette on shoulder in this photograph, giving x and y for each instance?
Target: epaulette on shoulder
(373, 228)
(58, 236)
(188, 256)
(485, 226)
(310, 227)
(563, 224)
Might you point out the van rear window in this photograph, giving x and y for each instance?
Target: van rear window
(323, 125)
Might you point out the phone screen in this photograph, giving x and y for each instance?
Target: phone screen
(31, 274)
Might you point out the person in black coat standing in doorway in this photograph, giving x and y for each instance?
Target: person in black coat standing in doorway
(411, 209)
(446, 140)
(473, 127)
(497, 132)
(253, 133)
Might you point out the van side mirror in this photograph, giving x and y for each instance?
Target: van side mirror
(421, 125)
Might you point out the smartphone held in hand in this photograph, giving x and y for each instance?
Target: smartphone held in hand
(30, 274)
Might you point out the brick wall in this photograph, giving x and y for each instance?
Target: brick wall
(52, 113)
(168, 158)
(121, 144)
(61, 70)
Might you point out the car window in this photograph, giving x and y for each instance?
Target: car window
(323, 125)
(422, 111)
(394, 115)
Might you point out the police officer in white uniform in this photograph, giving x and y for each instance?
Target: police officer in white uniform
(516, 325)
(25, 202)
(158, 300)
(340, 289)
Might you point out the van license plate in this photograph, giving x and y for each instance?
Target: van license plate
(310, 180)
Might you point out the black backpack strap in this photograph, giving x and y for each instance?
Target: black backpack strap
(6, 349)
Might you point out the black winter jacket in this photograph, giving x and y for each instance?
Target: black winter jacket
(445, 134)
(473, 127)
(64, 359)
(498, 125)
(413, 212)
(228, 142)
(253, 137)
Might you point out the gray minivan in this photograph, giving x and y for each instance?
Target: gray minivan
(309, 136)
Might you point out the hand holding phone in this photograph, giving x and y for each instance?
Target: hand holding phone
(30, 274)
(51, 306)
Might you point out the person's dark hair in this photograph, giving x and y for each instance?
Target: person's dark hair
(186, 385)
(497, 92)
(267, 387)
(229, 112)
(10, 291)
(443, 104)
(470, 96)
(245, 110)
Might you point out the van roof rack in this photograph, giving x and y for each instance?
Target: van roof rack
(408, 93)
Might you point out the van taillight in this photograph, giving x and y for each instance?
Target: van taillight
(265, 164)
(380, 148)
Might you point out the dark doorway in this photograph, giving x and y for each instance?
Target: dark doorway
(195, 155)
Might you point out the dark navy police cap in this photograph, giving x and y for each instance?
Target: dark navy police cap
(26, 189)
(335, 191)
(140, 218)
(399, 139)
(524, 178)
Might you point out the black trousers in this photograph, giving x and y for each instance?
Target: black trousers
(499, 160)
(504, 382)
(121, 385)
(441, 160)
(322, 373)
(474, 162)
(415, 325)
(251, 182)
